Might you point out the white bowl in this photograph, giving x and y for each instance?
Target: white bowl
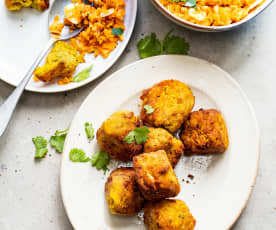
(201, 28)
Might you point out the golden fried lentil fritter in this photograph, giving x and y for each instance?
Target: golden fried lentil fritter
(112, 133)
(205, 132)
(168, 215)
(172, 102)
(161, 139)
(61, 62)
(41, 5)
(155, 175)
(122, 193)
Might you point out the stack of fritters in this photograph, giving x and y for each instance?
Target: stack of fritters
(152, 179)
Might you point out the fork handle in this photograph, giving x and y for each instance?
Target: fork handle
(8, 107)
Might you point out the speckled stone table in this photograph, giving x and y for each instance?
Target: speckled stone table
(29, 191)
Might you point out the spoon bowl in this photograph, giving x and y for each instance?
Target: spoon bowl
(58, 9)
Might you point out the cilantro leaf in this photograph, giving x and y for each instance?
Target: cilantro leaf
(83, 75)
(129, 139)
(140, 135)
(89, 130)
(61, 132)
(148, 109)
(174, 45)
(100, 160)
(40, 146)
(117, 31)
(189, 3)
(78, 155)
(165, 39)
(58, 139)
(57, 142)
(149, 46)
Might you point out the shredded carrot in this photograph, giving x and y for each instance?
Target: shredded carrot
(56, 27)
(98, 20)
(211, 12)
(65, 80)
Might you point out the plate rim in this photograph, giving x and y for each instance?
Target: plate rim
(81, 84)
(226, 75)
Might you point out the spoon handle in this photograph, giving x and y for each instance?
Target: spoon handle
(8, 107)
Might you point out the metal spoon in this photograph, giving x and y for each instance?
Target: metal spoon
(8, 107)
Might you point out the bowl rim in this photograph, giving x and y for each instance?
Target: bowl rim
(198, 27)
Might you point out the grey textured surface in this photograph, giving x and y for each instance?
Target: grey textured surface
(29, 191)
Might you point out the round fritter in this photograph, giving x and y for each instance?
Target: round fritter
(168, 215)
(155, 175)
(161, 139)
(122, 193)
(112, 133)
(205, 132)
(172, 102)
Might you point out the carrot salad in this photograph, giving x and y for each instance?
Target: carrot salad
(210, 12)
(103, 22)
(99, 19)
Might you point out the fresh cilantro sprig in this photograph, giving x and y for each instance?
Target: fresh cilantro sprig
(78, 155)
(100, 160)
(57, 140)
(61, 132)
(149, 109)
(89, 130)
(117, 31)
(174, 44)
(140, 135)
(151, 45)
(40, 147)
(189, 3)
(83, 75)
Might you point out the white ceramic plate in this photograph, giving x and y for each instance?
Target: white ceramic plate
(24, 34)
(222, 184)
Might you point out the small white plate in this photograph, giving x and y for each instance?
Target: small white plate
(25, 33)
(222, 183)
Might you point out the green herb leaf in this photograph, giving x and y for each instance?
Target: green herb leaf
(165, 39)
(189, 3)
(83, 75)
(130, 138)
(148, 109)
(57, 142)
(117, 31)
(89, 130)
(78, 155)
(140, 135)
(149, 46)
(40, 146)
(175, 45)
(61, 132)
(100, 160)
